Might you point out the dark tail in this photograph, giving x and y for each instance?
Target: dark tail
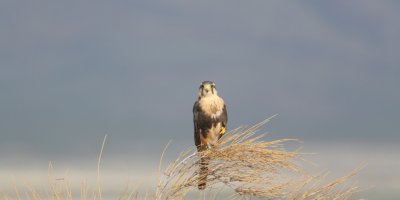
(203, 173)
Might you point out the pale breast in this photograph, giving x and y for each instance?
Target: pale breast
(213, 134)
(212, 106)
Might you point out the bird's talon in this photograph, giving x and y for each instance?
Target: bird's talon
(222, 130)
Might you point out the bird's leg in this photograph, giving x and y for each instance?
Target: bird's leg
(222, 130)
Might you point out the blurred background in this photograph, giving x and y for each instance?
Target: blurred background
(72, 72)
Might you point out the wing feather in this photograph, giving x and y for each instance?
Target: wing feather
(224, 119)
(197, 130)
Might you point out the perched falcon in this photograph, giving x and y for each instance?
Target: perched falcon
(210, 119)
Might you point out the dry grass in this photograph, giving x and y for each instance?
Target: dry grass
(239, 162)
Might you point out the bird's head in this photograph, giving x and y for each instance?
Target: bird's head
(207, 88)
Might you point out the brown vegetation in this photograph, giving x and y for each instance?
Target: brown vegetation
(239, 161)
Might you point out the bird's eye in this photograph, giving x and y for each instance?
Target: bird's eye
(212, 86)
(202, 86)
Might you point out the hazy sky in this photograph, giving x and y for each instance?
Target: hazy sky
(73, 71)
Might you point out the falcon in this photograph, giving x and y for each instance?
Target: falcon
(210, 119)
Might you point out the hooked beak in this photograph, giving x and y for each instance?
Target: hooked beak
(207, 88)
